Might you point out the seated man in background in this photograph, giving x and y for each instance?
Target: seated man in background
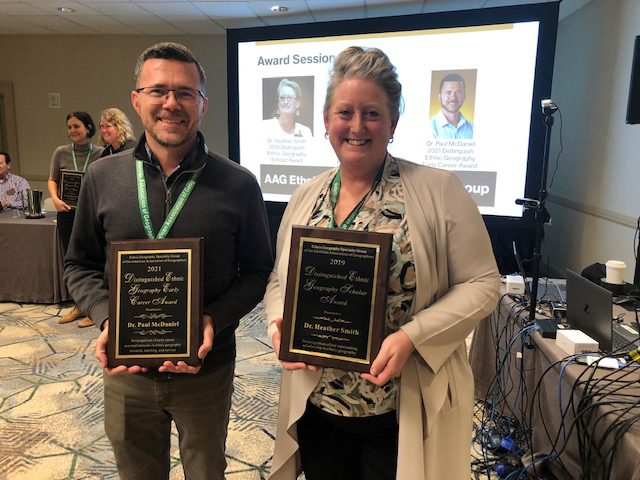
(10, 185)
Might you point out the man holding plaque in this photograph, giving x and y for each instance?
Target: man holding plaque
(170, 186)
(409, 416)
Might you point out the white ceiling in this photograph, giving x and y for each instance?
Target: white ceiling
(202, 17)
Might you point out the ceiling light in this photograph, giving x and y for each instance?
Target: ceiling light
(279, 9)
(66, 10)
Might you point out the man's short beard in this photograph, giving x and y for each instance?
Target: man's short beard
(172, 144)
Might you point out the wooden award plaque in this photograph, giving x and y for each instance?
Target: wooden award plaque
(155, 301)
(335, 302)
(70, 183)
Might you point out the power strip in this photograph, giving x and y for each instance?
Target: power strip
(547, 328)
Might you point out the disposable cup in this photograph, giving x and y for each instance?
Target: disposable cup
(615, 271)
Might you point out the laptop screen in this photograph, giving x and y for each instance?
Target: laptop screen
(550, 289)
(590, 309)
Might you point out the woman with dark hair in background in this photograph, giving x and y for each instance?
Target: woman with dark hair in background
(76, 156)
(410, 416)
(116, 131)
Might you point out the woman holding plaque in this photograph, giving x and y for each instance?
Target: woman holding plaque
(73, 158)
(410, 416)
(116, 131)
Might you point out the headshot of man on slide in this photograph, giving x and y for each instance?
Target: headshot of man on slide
(449, 122)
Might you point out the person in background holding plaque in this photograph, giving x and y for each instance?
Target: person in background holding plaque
(76, 156)
(410, 417)
(116, 131)
(226, 208)
(11, 186)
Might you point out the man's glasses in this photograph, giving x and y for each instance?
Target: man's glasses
(160, 94)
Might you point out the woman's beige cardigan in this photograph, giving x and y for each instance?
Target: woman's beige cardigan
(457, 286)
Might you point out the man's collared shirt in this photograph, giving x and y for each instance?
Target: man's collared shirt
(10, 188)
(441, 128)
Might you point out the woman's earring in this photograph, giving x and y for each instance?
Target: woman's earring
(391, 140)
(326, 135)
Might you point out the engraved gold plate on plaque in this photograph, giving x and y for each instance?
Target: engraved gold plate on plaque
(155, 301)
(335, 302)
(70, 183)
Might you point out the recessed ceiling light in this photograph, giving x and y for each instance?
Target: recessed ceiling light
(66, 10)
(279, 9)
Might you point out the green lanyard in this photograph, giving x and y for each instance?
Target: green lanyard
(143, 203)
(73, 154)
(335, 193)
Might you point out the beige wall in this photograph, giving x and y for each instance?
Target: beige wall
(595, 199)
(92, 73)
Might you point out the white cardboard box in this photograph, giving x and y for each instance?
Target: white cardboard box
(575, 341)
(514, 284)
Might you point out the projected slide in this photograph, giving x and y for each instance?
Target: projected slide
(467, 107)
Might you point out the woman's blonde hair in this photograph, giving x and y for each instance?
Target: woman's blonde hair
(366, 64)
(116, 117)
(285, 82)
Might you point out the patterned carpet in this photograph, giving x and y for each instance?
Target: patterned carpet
(51, 425)
(51, 400)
